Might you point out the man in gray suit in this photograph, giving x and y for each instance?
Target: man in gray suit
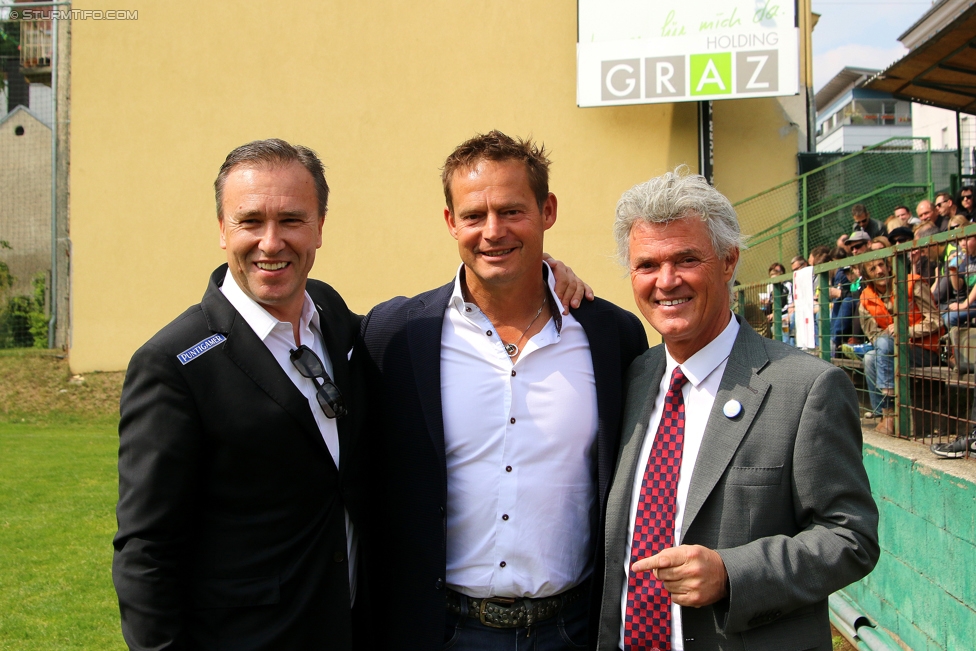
(740, 501)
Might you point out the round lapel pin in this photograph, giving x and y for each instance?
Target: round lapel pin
(732, 409)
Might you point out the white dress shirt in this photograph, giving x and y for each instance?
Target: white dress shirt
(520, 447)
(279, 337)
(704, 371)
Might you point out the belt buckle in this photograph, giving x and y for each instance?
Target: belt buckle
(493, 600)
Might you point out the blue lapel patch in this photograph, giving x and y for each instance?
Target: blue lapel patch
(198, 349)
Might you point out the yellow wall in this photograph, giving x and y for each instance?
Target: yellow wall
(383, 92)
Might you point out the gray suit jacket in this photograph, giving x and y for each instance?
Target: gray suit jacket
(779, 491)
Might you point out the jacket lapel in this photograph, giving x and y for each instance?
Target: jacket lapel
(604, 352)
(424, 326)
(248, 352)
(338, 352)
(740, 382)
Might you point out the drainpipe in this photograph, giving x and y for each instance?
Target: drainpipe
(53, 289)
(856, 627)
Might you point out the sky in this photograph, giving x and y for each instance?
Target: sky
(860, 33)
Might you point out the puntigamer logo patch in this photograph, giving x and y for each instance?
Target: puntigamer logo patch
(196, 350)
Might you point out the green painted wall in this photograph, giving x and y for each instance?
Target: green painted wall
(924, 587)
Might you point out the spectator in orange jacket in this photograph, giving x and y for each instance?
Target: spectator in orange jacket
(876, 312)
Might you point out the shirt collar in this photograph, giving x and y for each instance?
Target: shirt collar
(457, 296)
(699, 366)
(259, 318)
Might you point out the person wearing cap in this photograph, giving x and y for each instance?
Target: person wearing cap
(900, 235)
(857, 242)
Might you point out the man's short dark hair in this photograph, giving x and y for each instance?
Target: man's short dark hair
(820, 254)
(496, 146)
(905, 208)
(777, 267)
(273, 152)
(943, 195)
(859, 209)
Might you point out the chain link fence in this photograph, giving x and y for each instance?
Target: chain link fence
(33, 178)
(815, 208)
(901, 321)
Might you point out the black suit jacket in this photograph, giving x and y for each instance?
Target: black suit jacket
(231, 509)
(402, 340)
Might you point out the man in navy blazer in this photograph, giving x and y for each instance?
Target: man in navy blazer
(496, 427)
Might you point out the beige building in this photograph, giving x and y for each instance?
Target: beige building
(25, 197)
(383, 92)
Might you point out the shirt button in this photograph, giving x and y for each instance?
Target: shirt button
(513, 372)
(338, 557)
(508, 469)
(438, 584)
(505, 517)
(513, 421)
(488, 333)
(467, 309)
(502, 564)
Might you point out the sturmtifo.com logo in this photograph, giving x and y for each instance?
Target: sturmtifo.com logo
(74, 14)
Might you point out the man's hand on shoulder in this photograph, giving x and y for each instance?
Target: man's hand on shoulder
(694, 575)
(569, 288)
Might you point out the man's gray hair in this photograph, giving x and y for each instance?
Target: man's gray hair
(678, 195)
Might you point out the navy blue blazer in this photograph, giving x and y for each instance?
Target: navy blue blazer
(401, 349)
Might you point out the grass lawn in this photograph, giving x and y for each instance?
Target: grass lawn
(58, 488)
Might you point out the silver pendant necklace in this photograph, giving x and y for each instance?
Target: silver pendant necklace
(513, 349)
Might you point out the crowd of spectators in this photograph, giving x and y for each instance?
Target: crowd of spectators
(941, 285)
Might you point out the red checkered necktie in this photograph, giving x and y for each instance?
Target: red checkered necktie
(647, 624)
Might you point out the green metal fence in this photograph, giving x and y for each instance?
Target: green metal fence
(933, 401)
(815, 207)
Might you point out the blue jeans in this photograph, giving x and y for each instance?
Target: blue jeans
(564, 632)
(842, 315)
(879, 367)
(958, 317)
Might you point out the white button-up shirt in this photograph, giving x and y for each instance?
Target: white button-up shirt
(520, 443)
(279, 337)
(704, 371)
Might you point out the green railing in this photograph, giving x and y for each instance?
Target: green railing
(815, 208)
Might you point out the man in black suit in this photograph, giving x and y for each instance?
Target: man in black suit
(498, 429)
(239, 500)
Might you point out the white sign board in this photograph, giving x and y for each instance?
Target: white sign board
(806, 335)
(650, 51)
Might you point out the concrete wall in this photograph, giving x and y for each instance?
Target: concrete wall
(935, 123)
(25, 198)
(383, 92)
(857, 137)
(924, 588)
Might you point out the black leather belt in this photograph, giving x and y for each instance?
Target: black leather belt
(509, 612)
